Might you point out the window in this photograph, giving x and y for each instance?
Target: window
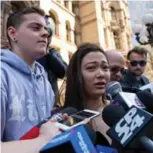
(116, 40)
(68, 31)
(66, 4)
(113, 13)
(75, 7)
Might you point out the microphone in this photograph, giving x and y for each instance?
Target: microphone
(75, 140)
(116, 111)
(147, 99)
(34, 132)
(112, 89)
(130, 127)
(104, 149)
(148, 87)
(124, 99)
(80, 139)
(147, 143)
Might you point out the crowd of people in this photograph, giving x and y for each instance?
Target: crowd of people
(29, 73)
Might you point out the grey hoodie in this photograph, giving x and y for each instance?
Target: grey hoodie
(26, 96)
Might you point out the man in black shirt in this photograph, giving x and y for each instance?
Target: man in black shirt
(134, 78)
(53, 63)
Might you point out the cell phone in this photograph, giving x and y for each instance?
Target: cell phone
(76, 119)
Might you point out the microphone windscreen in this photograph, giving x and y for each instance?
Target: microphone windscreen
(113, 88)
(147, 143)
(112, 114)
(130, 89)
(147, 99)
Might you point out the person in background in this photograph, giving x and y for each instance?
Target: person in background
(26, 95)
(136, 63)
(47, 132)
(87, 76)
(4, 43)
(117, 65)
(53, 63)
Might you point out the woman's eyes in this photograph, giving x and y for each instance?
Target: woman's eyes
(91, 67)
(104, 67)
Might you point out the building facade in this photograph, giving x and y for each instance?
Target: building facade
(105, 23)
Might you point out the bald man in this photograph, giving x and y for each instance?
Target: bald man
(117, 64)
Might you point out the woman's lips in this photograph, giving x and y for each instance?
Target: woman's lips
(100, 85)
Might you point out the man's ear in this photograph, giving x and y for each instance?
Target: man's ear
(12, 33)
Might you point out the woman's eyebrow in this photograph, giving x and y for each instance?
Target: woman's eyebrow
(95, 62)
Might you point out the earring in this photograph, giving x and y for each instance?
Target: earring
(15, 40)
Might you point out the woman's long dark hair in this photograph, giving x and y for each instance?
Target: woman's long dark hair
(74, 83)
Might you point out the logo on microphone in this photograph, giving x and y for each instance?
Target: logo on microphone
(138, 102)
(82, 143)
(129, 124)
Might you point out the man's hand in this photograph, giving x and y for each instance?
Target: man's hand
(49, 130)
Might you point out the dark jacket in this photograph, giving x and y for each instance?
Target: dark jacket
(129, 82)
(55, 68)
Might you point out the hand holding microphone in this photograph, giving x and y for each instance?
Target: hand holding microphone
(49, 130)
(34, 132)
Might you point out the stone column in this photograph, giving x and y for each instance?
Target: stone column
(123, 40)
(70, 6)
(124, 29)
(62, 2)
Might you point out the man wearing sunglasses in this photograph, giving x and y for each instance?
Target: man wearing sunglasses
(117, 64)
(134, 78)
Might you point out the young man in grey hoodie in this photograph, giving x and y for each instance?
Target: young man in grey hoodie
(26, 95)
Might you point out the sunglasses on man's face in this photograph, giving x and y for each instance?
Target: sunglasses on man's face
(141, 63)
(116, 69)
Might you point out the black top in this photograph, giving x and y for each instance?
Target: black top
(54, 66)
(129, 82)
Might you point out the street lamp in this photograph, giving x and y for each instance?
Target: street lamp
(144, 32)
